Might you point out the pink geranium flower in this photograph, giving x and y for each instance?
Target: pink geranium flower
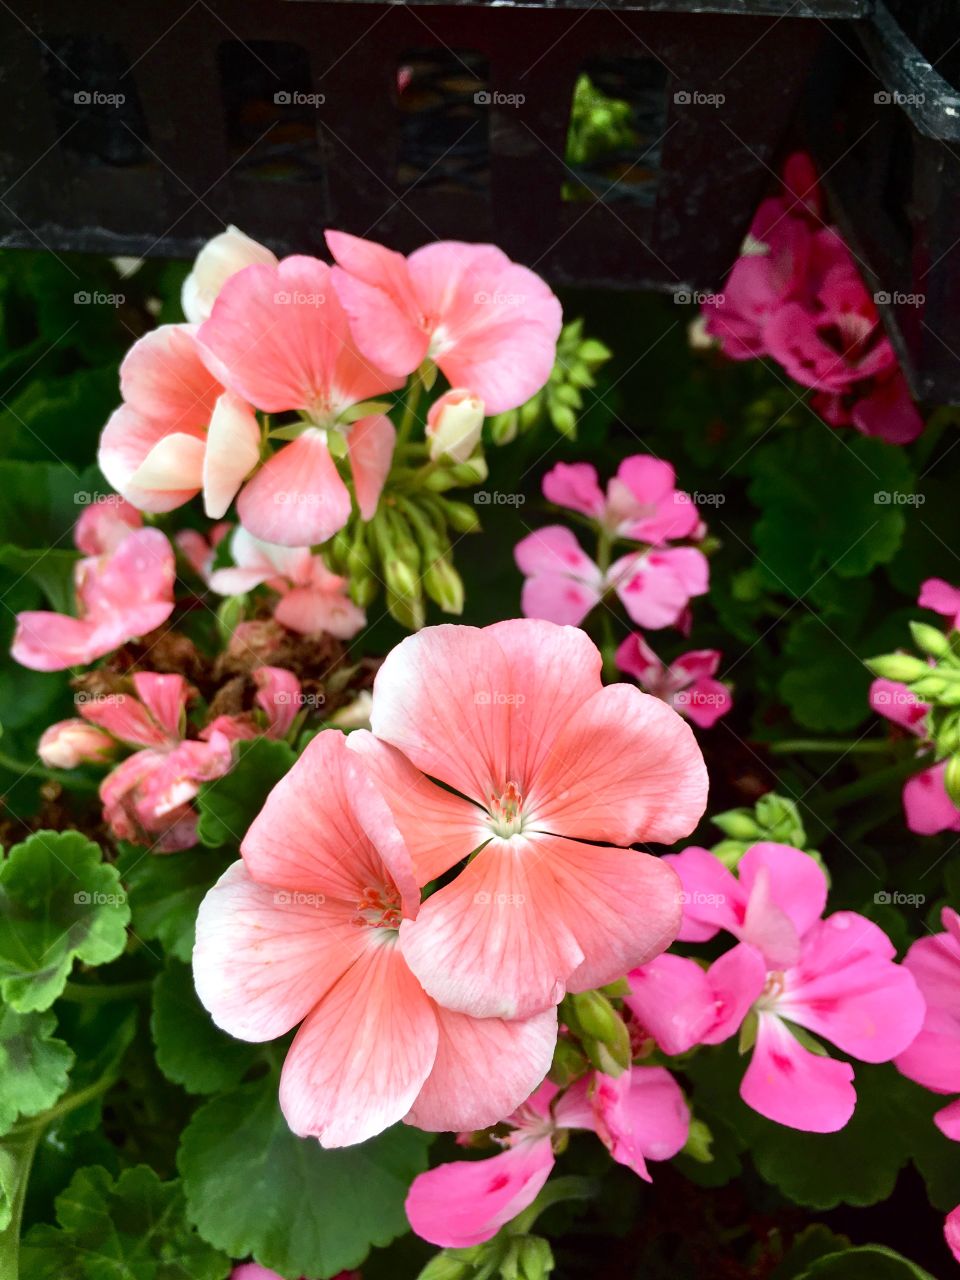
(104, 525)
(489, 325)
(280, 699)
(280, 339)
(942, 598)
(122, 594)
(147, 799)
(933, 1059)
(834, 977)
(219, 259)
(305, 929)
(687, 684)
(641, 1115)
(312, 599)
(641, 503)
(253, 1271)
(563, 584)
(537, 757)
(927, 806)
(71, 743)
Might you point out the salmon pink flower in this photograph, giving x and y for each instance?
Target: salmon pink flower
(514, 719)
(219, 259)
(312, 599)
(280, 339)
(104, 525)
(71, 743)
(833, 977)
(179, 430)
(279, 697)
(563, 584)
(641, 1115)
(926, 805)
(488, 324)
(305, 929)
(641, 503)
(687, 684)
(933, 1059)
(121, 595)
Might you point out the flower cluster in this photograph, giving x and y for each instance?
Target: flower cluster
(797, 296)
(497, 753)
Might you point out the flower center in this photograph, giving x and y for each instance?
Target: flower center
(506, 811)
(378, 908)
(773, 989)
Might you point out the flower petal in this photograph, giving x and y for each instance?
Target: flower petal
(370, 445)
(672, 999)
(233, 450)
(297, 498)
(792, 1086)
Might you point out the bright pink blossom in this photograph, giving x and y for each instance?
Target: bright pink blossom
(515, 720)
(312, 599)
(147, 798)
(933, 1059)
(121, 595)
(834, 977)
(951, 1231)
(489, 325)
(687, 684)
(641, 501)
(563, 584)
(941, 597)
(305, 929)
(641, 1115)
(927, 806)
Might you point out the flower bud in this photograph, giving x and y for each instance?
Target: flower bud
(738, 824)
(699, 1141)
(504, 427)
(70, 743)
(454, 424)
(568, 1064)
(444, 585)
(217, 261)
(534, 1258)
(445, 1266)
(930, 639)
(951, 780)
(595, 1015)
(229, 613)
(459, 515)
(898, 666)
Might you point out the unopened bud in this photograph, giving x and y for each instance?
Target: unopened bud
(596, 1016)
(459, 515)
(612, 1059)
(534, 1258)
(454, 424)
(504, 427)
(930, 639)
(739, 824)
(229, 615)
(444, 585)
(70, 743)
(951, 780)
(929, 686)
(568, 1064)
(699, 1142)
(898, 666)
(444, 1266)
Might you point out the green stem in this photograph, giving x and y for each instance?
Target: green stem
(410, 406)
(52, 775)
(833, 746)
(555, 1191)
(17, 1152)
(80, 993)
(870, 783)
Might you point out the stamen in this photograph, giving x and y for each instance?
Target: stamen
(506, 811)
(378, 908)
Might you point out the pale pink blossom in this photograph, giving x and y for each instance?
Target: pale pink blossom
(279, 699)
(933, 1059)
(279, 338)
(641, 1115)
(834, 977)
(147, 799)
(687, 684)
(454, 424)
(305, 930)
(199, 549)
(104, 525)
(71, 743)
(312, 599)
(219, 259)
(488, 324)
(563, 584)
(641, 503)
(121, 596)
(927, 807)
(515, 720)
(942, 598)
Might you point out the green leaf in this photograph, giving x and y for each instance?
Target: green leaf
(99, 1035)
(52, 571)
(871, 1262)
(812, 1243)
(816, 489)
(228, 805)
(39, 503)
(253, 1187)
(825, 683)
(34, 1067)
(59, 902)
(165, 893)
(191, 1051)
(131, 1229)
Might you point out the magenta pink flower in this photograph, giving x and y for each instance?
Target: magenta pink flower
(514, 720)
(927, 806)
(687, 684)
(933, 1059)
(563, 584)
(641, 1115)
(305, 929)
(641, 502)
(489, 325)
(942, 598)
(312, 599)
(121, 595)
(833, 977)
(253, 1271)
(951, 1231)
(147, 799)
